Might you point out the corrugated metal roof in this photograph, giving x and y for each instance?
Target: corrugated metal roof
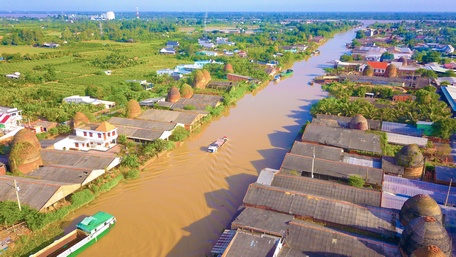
(328, 189)
(143, 124)
(312, 240)
(65, 174)
(34, 193)
(401, 128)
(368, 218)
(445, 174)
(199, 101)
(408, 188)
(77, 159)
(321, 151)
(389, 166)
(329, 168)
(140, 134)
(345, 138)
(398, 139)
(223, 242)
(262, 221)
(186, 118)
(373, 124)
(251, 245)
(266, 176)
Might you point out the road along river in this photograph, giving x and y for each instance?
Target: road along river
(185, 199)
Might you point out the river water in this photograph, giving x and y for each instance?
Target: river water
(185, 199)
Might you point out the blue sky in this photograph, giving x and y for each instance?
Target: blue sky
(232, 5)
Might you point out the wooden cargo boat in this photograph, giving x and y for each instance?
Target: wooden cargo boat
(87, 232)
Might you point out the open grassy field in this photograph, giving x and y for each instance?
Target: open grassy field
(24, 50)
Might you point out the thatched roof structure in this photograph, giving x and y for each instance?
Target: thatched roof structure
(80, 119)
(423, 232)
(173, 95)
(419, 206)
(133, 109)
(410, 156)
(186, 91)
(25, 155)
(429, 251)
(359, 122)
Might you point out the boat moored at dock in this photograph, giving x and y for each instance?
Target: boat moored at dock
(87, 232)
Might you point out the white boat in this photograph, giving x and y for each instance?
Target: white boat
(214, 146)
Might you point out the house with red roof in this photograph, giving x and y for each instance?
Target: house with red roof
(379, 67)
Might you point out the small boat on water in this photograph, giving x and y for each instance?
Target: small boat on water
(87, 232)
(214, 146)
(311, 83)
(286, 73)
(276, 78)
(316, 52)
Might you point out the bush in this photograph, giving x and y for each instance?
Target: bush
(53, 131)
(122, 139)
(81, 198)
(131, 161)
(179, 134)
(356, 181)
(132, 174)
(110, 184)
(63, 129)
(42, 136)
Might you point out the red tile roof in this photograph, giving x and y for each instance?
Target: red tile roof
(378, 65)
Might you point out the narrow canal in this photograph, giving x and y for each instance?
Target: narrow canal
(185, 199)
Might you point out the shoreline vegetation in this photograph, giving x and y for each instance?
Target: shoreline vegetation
(51, 75)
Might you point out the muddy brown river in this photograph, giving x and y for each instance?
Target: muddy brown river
(185, 199)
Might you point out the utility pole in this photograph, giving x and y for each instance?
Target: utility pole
(16, 188)
(313, 162)
(448, 194)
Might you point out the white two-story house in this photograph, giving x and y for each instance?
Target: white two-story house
(101, 137)
(10, 121)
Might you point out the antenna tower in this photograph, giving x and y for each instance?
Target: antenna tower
(137, 12)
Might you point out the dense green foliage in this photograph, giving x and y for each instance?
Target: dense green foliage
(179, 134)
(356, 181)
(427, 106)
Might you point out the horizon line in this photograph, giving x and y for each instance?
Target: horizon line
(155, 11)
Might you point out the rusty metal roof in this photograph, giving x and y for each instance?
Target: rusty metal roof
(262, 221)
(66, 174)
(312, 240)
(251, 245)
(373, 124)
(328, 189)
(345, 138)
(77, 159)
(186, 118)
(38, 194)
(341, 170)
(368, 218)
(321, 151)
(143, 124)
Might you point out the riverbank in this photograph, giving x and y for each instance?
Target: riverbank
(155, 168)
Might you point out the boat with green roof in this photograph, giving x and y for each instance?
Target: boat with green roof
(87, 232)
